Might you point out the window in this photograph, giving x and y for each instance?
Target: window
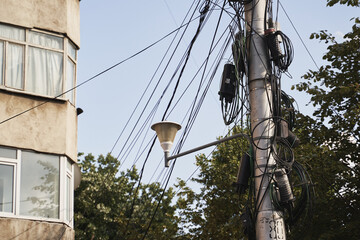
(36, 185)
(37, 62)
(39, 191)
(68, 207)
(6, 188)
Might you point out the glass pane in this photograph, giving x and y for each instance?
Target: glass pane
(11, 32)
(39, 185)
(70, 80)
(15, 66)
(71, 50)
(45, 72)
(46, 40)
(69, 165)
(6, 188)
(8, 152)
(1, 63)
(68, 199)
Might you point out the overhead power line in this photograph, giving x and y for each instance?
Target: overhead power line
(303, 43)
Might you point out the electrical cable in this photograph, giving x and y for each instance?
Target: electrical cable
(152, 78)
(287, 100)
(176, 148)
(160, 99)
(203, 12)
(162, 195)
(304, 200)
(184, 57)
(184, 136)
(167, 65)
(303, 43)
(192, 80)
(174, 75)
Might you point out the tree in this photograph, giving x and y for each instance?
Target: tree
(331, 140)
(104, 204)
(329, 150)
(214, 212)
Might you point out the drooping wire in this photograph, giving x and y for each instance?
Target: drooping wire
(203, 12)
(218, 57)
(213, 69)
(302, 41)
(161, 77)
(152, 78)
(173, 77)
(185, 132)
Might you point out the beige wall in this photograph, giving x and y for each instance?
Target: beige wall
(62, 16)
(20, 229)
(50, 128)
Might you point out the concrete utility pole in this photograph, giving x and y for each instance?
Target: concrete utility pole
(269, 222)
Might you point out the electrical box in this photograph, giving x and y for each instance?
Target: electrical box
(228, 83)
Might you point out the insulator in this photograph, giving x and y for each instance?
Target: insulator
(282, 180)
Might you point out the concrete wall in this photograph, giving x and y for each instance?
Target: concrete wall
(50, 128)
(62, 16)
(21, 229)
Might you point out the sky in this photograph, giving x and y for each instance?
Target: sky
(112, 31)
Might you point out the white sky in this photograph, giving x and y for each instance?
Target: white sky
(113, 30)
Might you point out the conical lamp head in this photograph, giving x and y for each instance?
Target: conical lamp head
(166, 132)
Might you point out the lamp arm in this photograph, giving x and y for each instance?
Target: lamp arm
(207, 145)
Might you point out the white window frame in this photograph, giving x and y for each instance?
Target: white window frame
(64, 173)
(26, 44)
(13, 163)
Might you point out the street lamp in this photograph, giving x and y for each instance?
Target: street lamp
(166, 132)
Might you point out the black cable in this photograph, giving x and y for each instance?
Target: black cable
(307, 50)
(287, 101)
(157, 105)
(304, 199)
(185, 56)
(161, 197)
(283, 153)
(167, 65)
(191, 120)
(152, 78)
(194, 113)
(203, 12)
(219, 57)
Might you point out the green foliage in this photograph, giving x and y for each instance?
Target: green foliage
(353, 3)
(214, 212)
(104, 199)
(330, 142)
(329, 150)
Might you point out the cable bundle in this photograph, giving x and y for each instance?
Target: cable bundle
(232, 92)
(283, 153)
(304, 194)
(281, 56)
(287, 102)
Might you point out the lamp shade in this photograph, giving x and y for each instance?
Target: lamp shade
(166, 132)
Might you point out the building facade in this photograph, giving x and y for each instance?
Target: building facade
(39, 40)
